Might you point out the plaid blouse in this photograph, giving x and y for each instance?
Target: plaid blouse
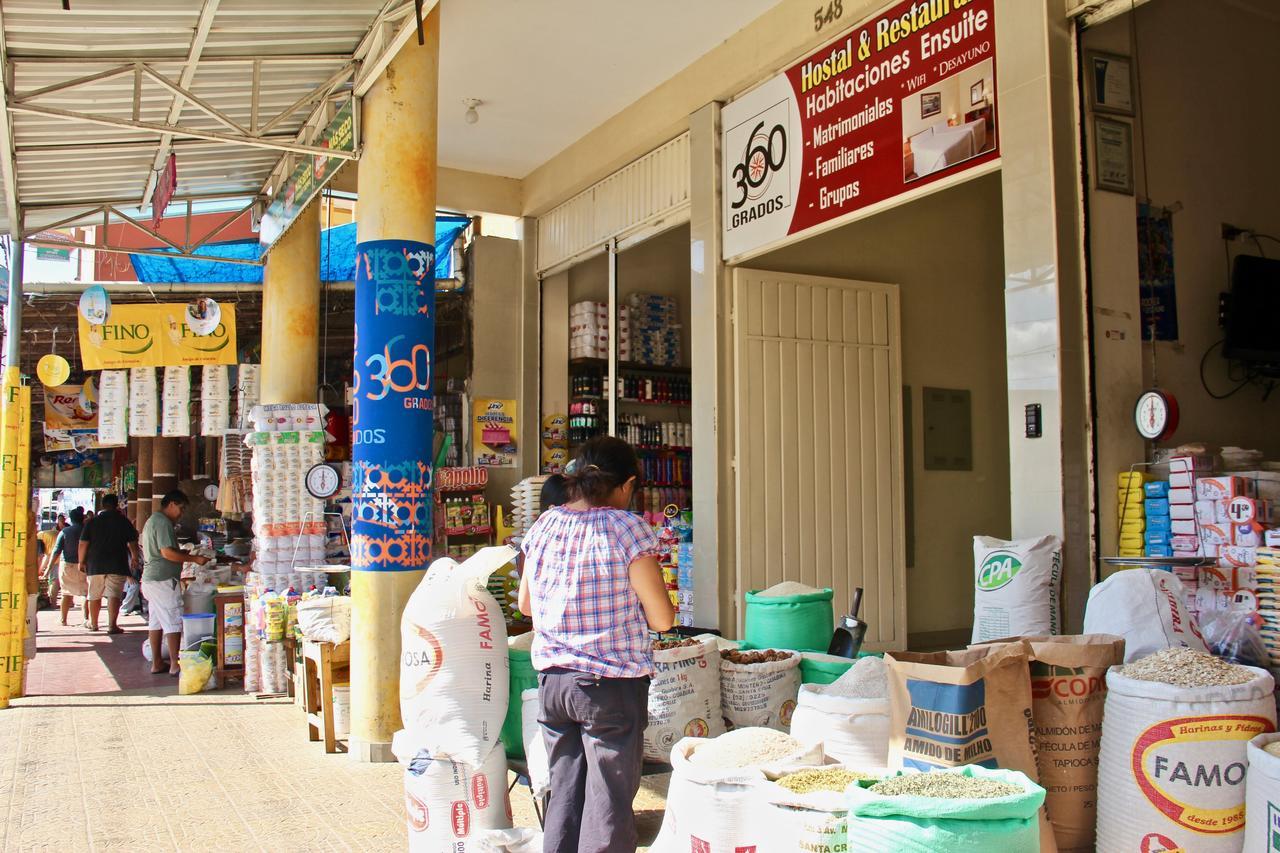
(586, 616)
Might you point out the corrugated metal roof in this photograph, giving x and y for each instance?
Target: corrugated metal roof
(136, 61)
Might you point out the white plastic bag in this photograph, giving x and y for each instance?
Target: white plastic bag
(448, 804)
(535, 748)
(852, 731)
(453, 664)
(1262, 796)
(1015, 587)
(1147, 608)
(518, 840)
(326, 619)
(684, 697)
(1173, 762)
(759, 694)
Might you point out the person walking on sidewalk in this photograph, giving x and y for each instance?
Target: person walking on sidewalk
(66, 557)
(594, 587)
(49, 584)
(106, 545)
(161, 569)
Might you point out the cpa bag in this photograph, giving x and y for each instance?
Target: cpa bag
(453, 664)
(684, 697)
(1174, 763)
(1015, 586)
(1147, 608)
(1068, 695)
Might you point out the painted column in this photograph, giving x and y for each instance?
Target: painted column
(291, 313)
(164, 470)
(145, 467)
(392, 420)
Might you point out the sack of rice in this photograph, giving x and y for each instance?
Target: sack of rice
(758, 688)
(1262, 794)
(453, 665)
(535, 748)
(1015, 586)
(684, 695)
(789, 615)
(807, 807)
(1068, 694)
(959, 810)
(849, 717)
(716, 800)
(1145, 606)
(449, 803)
(1173, 762)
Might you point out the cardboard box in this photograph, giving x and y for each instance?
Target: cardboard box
(1223, 488)
(1207, 512)
(1182, 496)
(1190, 464)
(1237, 556)
(1182, 512)
(1185, 527)
(1266, 484)
(1182, 480)
(1271, 538)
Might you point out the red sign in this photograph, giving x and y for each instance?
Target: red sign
(904, 99)
(166, 185)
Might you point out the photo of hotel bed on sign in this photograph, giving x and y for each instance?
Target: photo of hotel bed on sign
(949, 122)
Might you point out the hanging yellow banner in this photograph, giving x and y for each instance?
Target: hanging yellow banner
(155, 335)
(22, 531)
(12, 535)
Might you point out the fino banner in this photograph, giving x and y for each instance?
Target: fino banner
(155, 335)
(393, 406)
(904, 99)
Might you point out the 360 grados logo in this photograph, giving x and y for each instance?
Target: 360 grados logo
(765, 154)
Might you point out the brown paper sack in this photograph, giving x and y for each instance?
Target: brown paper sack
(949, 709)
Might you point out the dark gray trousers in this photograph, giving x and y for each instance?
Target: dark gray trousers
(594, 731)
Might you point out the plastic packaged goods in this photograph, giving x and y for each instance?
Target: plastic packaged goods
(144, 407)
(113, 408)
(176, 405)
(1016, 585)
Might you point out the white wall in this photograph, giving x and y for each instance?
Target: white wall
(945, 252)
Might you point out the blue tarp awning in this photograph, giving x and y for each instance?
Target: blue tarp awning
(337, 258)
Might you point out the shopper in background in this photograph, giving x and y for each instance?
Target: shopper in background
(49, 578)
(106, 545)
(66, 556)
(555, 491)
(161, 569)
(594, 589)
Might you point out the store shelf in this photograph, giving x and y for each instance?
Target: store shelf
(662, 448)
(628, 366)
(470, 530)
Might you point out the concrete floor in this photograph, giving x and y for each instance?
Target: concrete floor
(104, 756)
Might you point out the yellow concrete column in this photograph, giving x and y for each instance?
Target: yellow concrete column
(291, 313)
(397, 199)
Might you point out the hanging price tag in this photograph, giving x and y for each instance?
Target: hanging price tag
(1242, 510)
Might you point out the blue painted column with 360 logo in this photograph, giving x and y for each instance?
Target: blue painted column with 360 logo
(393, 408)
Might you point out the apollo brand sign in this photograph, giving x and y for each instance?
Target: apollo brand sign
(998, 571)
(902, 100)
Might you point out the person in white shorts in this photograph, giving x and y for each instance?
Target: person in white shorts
(161, 569)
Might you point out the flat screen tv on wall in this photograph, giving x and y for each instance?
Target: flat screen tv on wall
(1253, 313)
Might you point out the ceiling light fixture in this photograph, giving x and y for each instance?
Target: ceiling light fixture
(471, 116)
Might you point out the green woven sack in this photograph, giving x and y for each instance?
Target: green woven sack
(802, 623)
(523, 677)
(910, 824)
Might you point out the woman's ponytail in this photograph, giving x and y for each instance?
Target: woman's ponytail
(602, 465)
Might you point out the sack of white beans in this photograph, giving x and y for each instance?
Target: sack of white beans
(1173, 764)
(1262, 794)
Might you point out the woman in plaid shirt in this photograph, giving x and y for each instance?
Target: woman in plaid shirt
(594, 588)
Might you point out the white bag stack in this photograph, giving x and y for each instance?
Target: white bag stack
(247, 394)
(684, 697)
(176, 419)
(1015, 587)
(113, 408)
(1173, 764)
(215, 400)
(1262, 796)
(453, 664)
(144, 409)
(450, 804)
(326, 619)
(759, 694)
(1147, 608)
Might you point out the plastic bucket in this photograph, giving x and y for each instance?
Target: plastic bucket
(802, 623)
(195, 627)
(523, 677)
(341, 710)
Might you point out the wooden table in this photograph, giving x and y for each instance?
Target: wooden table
(324, 664)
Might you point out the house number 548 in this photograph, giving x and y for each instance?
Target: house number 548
(827, 15)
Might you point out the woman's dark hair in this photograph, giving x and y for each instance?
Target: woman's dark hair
(603, 464)
(555, 491)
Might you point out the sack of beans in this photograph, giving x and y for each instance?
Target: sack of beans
(758, 688)
(1262, 794)
(1068, 693)
(849, 717)
(807, 808)
(960, 810)
(1173, 764)
(684, 695)
(716, 798)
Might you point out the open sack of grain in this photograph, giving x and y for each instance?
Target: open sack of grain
(1173, 762)
(716, 798)
(684, 695)
(759, 687)
(849, 717)
(960, 810)
(808, 809)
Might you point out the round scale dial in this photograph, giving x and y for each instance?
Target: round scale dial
(1156, 415)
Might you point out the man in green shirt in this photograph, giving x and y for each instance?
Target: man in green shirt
(161, 569)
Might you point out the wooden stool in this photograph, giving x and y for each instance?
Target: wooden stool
(322, 663)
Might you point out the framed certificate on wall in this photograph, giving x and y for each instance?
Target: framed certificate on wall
(1109, 79)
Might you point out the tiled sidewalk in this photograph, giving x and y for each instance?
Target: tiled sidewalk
(111, 758)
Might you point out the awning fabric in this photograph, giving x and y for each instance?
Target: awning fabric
(337, 258)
